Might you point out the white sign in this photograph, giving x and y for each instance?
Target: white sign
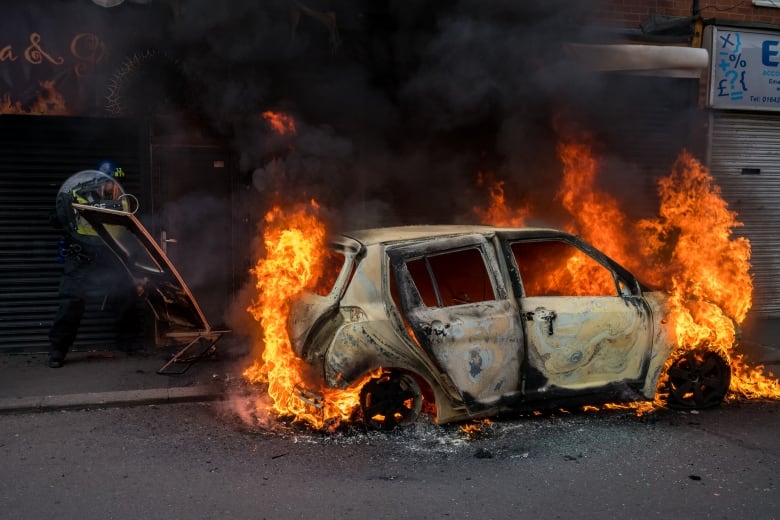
(745, 69)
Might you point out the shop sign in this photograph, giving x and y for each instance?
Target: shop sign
(57, 58)
(745, 69)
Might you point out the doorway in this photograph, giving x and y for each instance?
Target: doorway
(192, 200)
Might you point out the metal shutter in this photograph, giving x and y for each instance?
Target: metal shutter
(38, 154)
(744, 159)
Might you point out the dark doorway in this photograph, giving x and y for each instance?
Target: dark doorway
(193, 207)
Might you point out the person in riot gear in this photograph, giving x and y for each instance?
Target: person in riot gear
(88, 263)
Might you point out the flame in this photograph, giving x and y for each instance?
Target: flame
(596, 215)
(281, 123)
(295, 253)
(710, 293)
(752, 383)
(47, 101)
(693, 237)
(689, 249)
(497, 213)
(708, 270)
(475, 429)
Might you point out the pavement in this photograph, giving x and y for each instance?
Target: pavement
(110, 378)
(94, 379)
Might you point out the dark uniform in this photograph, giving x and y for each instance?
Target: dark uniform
(90, 267)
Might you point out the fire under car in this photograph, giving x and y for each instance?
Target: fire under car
(478, 321)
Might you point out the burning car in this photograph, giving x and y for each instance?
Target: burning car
(471, 321)
(480, 320)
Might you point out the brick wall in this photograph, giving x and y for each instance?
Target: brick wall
(630, 13)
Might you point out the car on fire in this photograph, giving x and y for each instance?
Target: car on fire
(476, 321)
(472, 321)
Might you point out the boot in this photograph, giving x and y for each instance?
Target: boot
(56, 359)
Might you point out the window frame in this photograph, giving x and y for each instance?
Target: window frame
(625, 283)
(398, 257)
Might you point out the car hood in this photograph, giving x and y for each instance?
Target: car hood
(165, 290)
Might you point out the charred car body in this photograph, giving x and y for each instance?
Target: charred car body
(482, 320)
(476, 320)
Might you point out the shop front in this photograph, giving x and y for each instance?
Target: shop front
(744, 144)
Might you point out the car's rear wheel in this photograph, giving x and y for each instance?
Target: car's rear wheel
(698, 378)
(393, 399)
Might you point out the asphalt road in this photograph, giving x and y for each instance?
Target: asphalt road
(193, 461)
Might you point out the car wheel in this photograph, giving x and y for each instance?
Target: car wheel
(391, 400)
(698, 378)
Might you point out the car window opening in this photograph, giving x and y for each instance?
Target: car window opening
(332, 263)
(452, 278)
(556, 268)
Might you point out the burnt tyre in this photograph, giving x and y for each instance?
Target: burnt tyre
(697, 379)
(393, 399)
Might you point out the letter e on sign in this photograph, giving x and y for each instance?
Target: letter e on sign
(768, 51)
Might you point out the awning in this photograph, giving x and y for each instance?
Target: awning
(649, 60)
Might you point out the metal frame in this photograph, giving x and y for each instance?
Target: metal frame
(166, 280)
(207, 339)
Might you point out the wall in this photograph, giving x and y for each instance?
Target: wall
(630, 13)
(70, 58)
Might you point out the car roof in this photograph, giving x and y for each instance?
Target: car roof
(393, 234)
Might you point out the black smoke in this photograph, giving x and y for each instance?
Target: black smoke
(400, 105)
(397, 104)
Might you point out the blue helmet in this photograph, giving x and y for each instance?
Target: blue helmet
(111, 168)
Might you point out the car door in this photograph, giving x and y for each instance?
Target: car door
(586, 324)
(456, 304)
(166, 292)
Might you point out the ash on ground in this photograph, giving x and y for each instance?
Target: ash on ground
(248, 406)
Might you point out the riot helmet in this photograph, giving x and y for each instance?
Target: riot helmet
(90, 187)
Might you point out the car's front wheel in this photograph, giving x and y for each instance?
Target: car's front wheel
(393, 399)
(698, 378)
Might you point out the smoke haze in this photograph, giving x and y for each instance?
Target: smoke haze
(397, 106)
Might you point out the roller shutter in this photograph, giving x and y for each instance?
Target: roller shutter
(743, 159)
(39, 153)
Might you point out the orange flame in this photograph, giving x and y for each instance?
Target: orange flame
(281, 123)
(295, 252)
(705, 289)
(596, 215)
(708, 270)
(497, 213)
(692, 236)
(47, 101)
(689, 249)
(475, 429)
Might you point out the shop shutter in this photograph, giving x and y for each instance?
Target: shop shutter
(39, 153)
(743, 159)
